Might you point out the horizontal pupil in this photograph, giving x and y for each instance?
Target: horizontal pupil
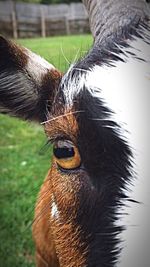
(64, 152)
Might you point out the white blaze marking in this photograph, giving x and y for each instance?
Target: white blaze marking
(54, 210)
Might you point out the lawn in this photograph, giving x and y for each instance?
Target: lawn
(24, 160)
(60, 51)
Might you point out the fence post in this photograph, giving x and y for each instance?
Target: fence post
(43, 23)
(14, 22)
(67, 25)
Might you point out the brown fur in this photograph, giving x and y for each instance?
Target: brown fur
(45, 250)
(62, 122)
(57, 239)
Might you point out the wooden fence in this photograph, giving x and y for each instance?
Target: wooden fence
(32, 20)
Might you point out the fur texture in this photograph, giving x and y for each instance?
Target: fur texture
(27, 82)
(100, 105)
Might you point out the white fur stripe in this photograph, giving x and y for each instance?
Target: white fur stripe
(54, 210)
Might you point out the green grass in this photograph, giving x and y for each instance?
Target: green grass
(60, 51)
(23, 162)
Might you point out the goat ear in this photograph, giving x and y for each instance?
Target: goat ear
(27, 82)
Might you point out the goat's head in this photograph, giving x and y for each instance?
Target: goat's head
(92, 162)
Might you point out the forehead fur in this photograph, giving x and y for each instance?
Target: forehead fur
(62, 124)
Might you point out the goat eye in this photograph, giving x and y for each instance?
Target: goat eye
(66, 155)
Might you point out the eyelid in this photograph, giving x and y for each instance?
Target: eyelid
(69, 171)
(64, 143)
(54, 139)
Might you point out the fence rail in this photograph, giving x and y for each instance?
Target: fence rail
(32, 20)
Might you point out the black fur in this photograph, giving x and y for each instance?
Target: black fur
(107, 160)
(109, 51)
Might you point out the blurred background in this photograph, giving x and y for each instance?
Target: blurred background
(34, 18)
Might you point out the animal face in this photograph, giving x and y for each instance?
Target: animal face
(82, 195)
(93, 117)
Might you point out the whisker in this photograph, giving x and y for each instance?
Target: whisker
(32, 209)
(37, 218)
(76, 56)
(98, 119)
(44, 148)
(80, 69)
(61, 116)
(63, 54)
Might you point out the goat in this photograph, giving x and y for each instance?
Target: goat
(96, 116)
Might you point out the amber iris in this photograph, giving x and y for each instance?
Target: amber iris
(66, 155)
